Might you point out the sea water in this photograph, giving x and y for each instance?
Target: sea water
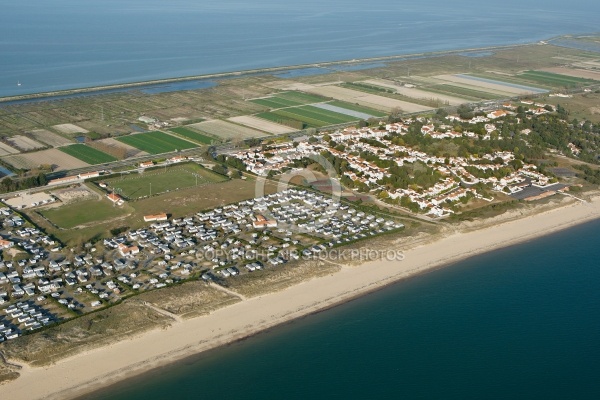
(65, 44)
(520, 322)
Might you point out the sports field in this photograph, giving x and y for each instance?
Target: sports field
(193, 135)
(84, 212)
(156, 142)
(161, 180)
(87, 154)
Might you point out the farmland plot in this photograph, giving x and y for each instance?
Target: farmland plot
(87, 154)
(226, 130)
(59, 160)
(156, 142)
(70, 129)
(261, 124)
(50, 138)
(130, 151)
(578, 73)
(341, 110)
(6, 150)
(490, 85)
(417, 93)
(367, 100)
(24, 143)
(192, 135)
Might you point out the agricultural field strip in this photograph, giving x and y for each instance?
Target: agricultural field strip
(192, 135)
(367, 100)
(50, 138)
(340, 110)
(509, 85)
(311, 111)
(552, 79)
(69, 129)
(6, 149)
(472, 94)
(578, 73)
(417, 93)
(87, 154)
(55, 157)
(226, 130)
(311, 122)
(303, 98)
(502, 90)
(25, 143)
(275, 102)
(356, 107)
(261, 124)
(516, 80)
(313, 115)
(156, 142)
(436, 81)
(131, 150)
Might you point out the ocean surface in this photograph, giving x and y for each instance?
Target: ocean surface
(516, 323)
(64, 44)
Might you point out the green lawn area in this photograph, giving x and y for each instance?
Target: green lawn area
(156, 142)
(356, 107)
(193, 135)
(162, 180)
(84, 212)
(87, 154)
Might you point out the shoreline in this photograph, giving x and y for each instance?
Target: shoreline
(98, 368)
(101, 89)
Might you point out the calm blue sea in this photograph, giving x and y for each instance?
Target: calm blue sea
(61, 44)
(517, 323)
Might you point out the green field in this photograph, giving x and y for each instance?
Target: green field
(311, 117)
(193, 135)
(288, 99)
(161, 180)
(356, 107)
(464, 92)
(156, 142)
(84, 212)
(556, 80)
(303, 98)
(276, 102)
(367, 88)
(87, 154)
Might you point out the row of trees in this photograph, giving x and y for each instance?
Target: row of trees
(9, 185)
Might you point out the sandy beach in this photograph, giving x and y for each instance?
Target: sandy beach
(103, 366)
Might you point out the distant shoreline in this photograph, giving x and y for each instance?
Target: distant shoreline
(99, 368)
(239, 74)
